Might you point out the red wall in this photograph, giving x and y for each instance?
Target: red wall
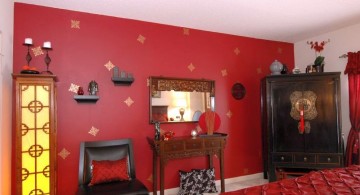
(79, 56)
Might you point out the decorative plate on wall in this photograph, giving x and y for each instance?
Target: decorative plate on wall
(238, 91)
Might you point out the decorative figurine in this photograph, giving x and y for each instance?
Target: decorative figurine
(157, 131)
(296, 70)
(93, 88)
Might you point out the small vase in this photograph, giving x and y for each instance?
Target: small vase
(80, 91)
(276, 67)
(319, 68)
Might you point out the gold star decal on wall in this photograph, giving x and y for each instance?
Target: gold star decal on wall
(279, 50)
(129, 101)
(259, 70)
(224, 72)
(94, 131)
(186, 31)
(37, 51)
(74, 88)
(141, 39)
(109, 65)
(229, 114)
(237, 51)
(191, 67)
(64, 153)
(75, 24)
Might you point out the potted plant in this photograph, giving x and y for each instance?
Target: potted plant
(319, 59)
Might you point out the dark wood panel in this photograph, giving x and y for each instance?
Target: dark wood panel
(283, 143)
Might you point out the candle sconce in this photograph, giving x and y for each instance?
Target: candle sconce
(26, 69)
(28, 56)
(47, 61)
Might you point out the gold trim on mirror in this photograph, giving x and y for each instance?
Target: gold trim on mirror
(176, 84)
(177, 100)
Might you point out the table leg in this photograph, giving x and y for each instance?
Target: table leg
(222, 171)
(162, 164)
(154, 173)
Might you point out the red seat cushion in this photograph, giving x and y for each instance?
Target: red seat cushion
(108, 171)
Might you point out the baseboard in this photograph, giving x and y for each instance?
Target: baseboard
(173, 191)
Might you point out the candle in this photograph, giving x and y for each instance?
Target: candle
(28, 41)
(47, 44)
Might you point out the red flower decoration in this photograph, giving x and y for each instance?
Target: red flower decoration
(318, 47)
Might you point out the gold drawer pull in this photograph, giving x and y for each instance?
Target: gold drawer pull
(329, 159)
(282, 158)
(174, 146)
(305, 159)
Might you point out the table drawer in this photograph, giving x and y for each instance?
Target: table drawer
(282, 158)
(191, 145)
(173, 146)
(329, 159)
(213, 143)
(305, 158)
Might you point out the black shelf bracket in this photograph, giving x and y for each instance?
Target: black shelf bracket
(122, 81)
(86, 98)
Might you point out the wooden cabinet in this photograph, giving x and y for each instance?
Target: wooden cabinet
(315, 143)
(35, 134)
(186, 147)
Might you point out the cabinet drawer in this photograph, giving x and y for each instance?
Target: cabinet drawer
(305, 158)
(173, 146)
(191, 145)
(282, 158)
(212, 143)
(329, 159)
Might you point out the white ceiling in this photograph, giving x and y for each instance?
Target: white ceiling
(280, 20)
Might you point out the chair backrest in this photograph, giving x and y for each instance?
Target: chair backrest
(104, 150)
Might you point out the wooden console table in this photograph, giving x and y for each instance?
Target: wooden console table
(186, 147)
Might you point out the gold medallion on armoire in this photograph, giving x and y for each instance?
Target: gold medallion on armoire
(303, 109)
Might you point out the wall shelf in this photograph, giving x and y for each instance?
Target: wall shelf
(122, 81)
(86, 98)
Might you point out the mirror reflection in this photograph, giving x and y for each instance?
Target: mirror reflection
(180, 100)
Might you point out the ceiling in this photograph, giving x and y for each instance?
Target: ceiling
(280, 20)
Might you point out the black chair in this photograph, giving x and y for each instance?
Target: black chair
(108, 150)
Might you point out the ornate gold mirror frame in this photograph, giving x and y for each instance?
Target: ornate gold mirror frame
(179, 100)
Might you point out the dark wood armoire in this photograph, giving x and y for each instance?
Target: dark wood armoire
(301, 122)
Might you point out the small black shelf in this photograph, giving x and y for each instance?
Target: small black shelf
(122, 81)
(86, 98)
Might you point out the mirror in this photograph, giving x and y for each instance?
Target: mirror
(180, 100)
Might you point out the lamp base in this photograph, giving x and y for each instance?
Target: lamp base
(182, 111)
